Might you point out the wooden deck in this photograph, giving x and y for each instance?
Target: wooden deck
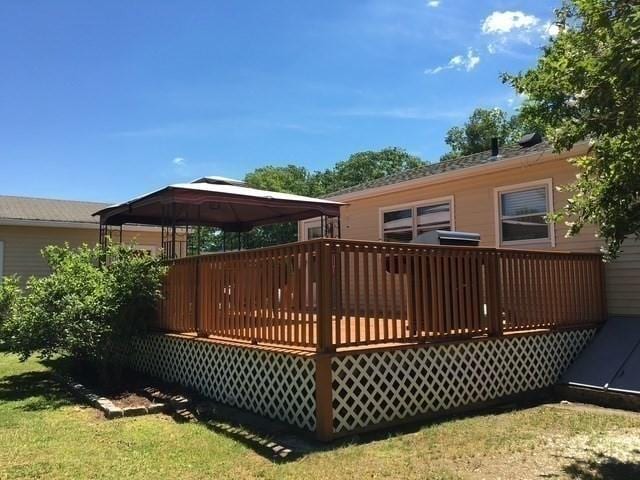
(328, 294)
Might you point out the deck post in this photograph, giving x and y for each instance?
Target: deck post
(325, 327)
(324, 398)
(197, 311)
(493, 294)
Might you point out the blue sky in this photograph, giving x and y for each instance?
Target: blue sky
(106, 100)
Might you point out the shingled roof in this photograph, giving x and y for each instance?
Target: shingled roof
(459, 163)
(48, 210)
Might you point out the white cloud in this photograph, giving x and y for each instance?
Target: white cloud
(511, 27)
(507, 21)
(549, 29)
(434, 3)
(459, 62)
(178, 161)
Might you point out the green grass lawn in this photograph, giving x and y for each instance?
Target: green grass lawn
(44, 433)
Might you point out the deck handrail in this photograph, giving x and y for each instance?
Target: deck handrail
(325, 294)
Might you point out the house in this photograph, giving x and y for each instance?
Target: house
(503, 195)
(27, 225)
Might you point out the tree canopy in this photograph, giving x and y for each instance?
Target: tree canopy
(368, 165)
(586, 86)
(483, 125)
(290, 179)
(358, 168)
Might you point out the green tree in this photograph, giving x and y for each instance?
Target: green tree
(586, 85)
(483, 125)
(363, 166)
(290, 179)
(358, 168)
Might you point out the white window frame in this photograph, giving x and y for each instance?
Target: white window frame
(308, 223)
(422, 203)
(498, 191)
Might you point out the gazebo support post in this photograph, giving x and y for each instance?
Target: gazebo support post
(173, 231)
(198, 238)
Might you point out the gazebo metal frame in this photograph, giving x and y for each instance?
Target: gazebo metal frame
(214, 202)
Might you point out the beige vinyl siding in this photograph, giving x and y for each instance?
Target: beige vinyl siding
(474, 210)
(474, 203)
(22, 245)
(623, 281)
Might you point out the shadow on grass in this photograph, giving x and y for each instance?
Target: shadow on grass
(601, 467)
(35, 391)
(281, 443)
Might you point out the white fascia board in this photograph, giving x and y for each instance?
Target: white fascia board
(579, 149)
(16, 222)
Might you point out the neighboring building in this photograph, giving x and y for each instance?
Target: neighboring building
(27, 225)
(502, 197)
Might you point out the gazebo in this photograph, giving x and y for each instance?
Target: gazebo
(219, 202)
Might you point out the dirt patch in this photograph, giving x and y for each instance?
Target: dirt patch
(600, 455)
(130, 399)
(132, 390)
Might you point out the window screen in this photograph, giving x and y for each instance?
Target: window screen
(523, 214)
(398, 225)
(405, 224)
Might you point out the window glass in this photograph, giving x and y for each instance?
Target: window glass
(522, 214)
(403, 237)
(524, 202)
(399, 225)
(314, 232)
(434, 217)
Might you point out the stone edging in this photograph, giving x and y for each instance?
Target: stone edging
(104, 404)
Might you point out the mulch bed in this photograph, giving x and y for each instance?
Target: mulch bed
(132, 394)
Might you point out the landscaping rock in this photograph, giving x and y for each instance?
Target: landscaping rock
(134, 411)
(157, 408)
(113, 412)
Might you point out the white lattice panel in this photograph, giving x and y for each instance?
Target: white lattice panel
(377, 387)
(273, 384)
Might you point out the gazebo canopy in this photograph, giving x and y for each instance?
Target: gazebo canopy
(216, 202)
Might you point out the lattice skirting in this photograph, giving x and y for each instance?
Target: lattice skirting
(276, 385)
(386, 386)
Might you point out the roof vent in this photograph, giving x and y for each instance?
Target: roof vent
(530, 139)
(494, 147)
(220, 181)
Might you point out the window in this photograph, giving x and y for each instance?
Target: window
(522, 213)
(314, 232)
(312, 228)
(406, 223)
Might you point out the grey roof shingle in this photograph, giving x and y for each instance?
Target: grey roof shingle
(506, 152)
(45, 209)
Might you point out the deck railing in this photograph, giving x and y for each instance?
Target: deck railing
(327, 294)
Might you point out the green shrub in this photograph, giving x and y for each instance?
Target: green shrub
(90, 306)
(10, 293)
